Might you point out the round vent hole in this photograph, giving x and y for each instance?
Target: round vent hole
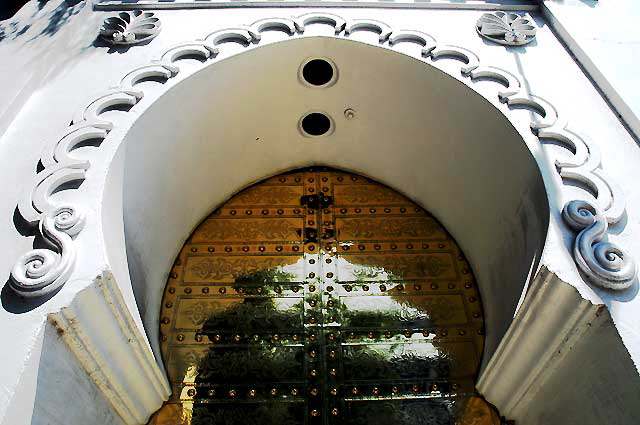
(316, 124)
(317, 72)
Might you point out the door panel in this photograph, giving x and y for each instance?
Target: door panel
(321, 297)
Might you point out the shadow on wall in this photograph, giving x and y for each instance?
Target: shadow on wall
(14, 13)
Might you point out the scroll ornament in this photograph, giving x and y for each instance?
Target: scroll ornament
(506, 28)
(604, 263)
(41, 271)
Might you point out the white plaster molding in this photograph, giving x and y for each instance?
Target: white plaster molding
(533, 348)
(509, 29)
(532, 5)
(584, 166)
(130, 28)
(99, 330)
(605, 264)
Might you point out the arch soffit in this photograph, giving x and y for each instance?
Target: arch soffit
(42, 271)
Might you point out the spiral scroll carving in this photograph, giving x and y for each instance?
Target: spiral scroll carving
(604, 263)
(42, 271)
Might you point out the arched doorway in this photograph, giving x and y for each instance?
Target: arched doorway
(320, 297)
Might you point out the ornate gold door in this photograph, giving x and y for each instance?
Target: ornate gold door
(321, 297)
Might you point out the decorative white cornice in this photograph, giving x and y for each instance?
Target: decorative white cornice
(100, 332)
(583, 164)
(130, 28)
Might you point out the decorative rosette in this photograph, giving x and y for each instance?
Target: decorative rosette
(506, 28)
(128, 28)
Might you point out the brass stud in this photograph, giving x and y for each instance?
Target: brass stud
(311, 190)
(228, 249)
(409, 246)
(325, 189)
(361, 247)
(275, 337)
(408, 334)
(232, 212)
(358, 210)
(295, 289)
(313, 354)
(462, 332)
(387, 334)
(187, 290)
(451, 286)
(280, 211)
(240, 290)
(383, 288)
(343, 210)
(169, 304)
(329, 288)
(311, 248)
(330, 319)
(312, 261)
(294, 392)
(444, 332)
(298, 179)
(282, 179)
(403, 210)
(222, 290)
(352, 335)
(194, 249)
(329, 275)
(333, 372)
(245, 248)
(365, 287)
(324, 179)
(434, 286)
(335, 411)
(174, 275)
(310, 222)
(417, 287)
(191, 392)
(331, 336)
(265, 212)
(372, 210)
(472, 299)
(259, 290)
(375, 391)
(164, 337)
(252, 393)
(211, 249)
(294, 337)
(371, 335)
(232, 393)
(217, 338)
(310, 180)
(205, 290)
(296, 211)
(347, 288)
(312, 288)
(165, 320)
(332, 354)
(400, 287)
(476, 314)
(312, 320)
(330, 303)
(314, 413)
(313, 373)
(198, 338)
(334, 391)
(172, 290)
(274, 392)
(425, 246)
(279, 248)
(354, 390)
(312, 275)
(211, 393)
(354, 178)
(377, 247)
(395, 390)
(237, 338)
(248, 212)
(394, 246)
(434, 388)
(387, 210)
(415, 388)
(312, 337)
(468, 285)
(313, 303)
(314, 392)
(441, 246)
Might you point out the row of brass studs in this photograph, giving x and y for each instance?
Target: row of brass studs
(393, 246)
(295, 247)
(315, 392)
(372, 210)
(297, 211)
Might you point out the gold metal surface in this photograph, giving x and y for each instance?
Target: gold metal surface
(321, 297)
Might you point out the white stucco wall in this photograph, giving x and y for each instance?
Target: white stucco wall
(47, 74)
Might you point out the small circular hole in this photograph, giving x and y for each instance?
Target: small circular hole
(317, 72)
(316, 124)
